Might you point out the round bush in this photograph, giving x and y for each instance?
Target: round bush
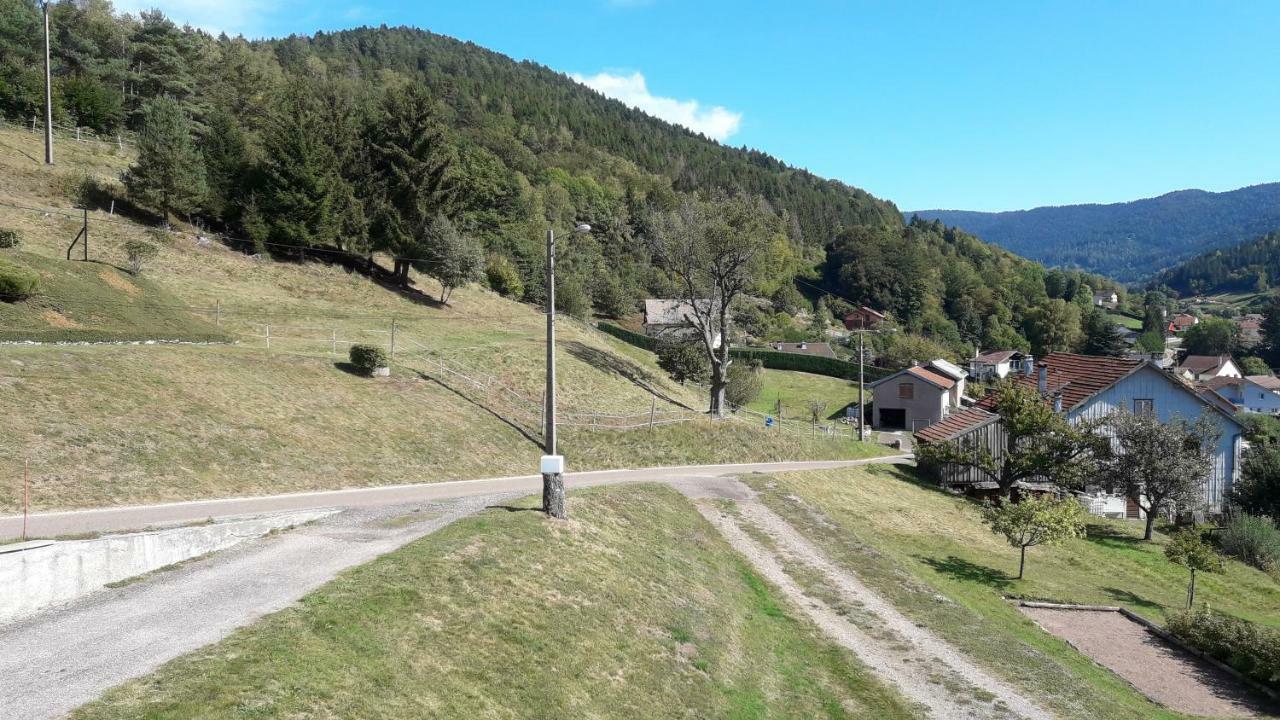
(9, 238)
(367, 358)
(16, 282)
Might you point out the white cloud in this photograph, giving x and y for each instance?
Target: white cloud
(715, 122)
(230, 16)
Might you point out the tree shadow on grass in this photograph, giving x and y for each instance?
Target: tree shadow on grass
(509, 422)
(962, 569)
(618, 365)
(513, 508)
(1109, 537)
(1129, 598)
(350, 369)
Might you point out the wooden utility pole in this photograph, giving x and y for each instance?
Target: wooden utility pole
(48, 93)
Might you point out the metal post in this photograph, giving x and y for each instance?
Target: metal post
(86, 234)
(333, 350)
(392, 354)
(549, 436)
(268, 338)
(552, 464)
(653, 407)
(48, 93)
(862, 389)
(217, 312)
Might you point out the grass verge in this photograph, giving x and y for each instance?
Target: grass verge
(635, 607)
(929, 553)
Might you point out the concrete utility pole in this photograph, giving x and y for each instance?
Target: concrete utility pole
(48, 93)
(552, 465)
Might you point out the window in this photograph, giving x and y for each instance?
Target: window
(1144, 406)
(906, 391)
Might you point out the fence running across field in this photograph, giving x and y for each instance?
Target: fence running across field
(71, 133)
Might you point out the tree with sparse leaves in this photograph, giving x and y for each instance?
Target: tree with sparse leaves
(1035, 521)
(1040, 445)
(713, 249)
(1188, 549)
(1161, 466)
(169, 174)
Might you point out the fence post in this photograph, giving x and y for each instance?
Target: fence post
(333, 350)
(268, 338)
(217, 310)
(86, 233)
(77, 133)
(393, 340)
(653, 406)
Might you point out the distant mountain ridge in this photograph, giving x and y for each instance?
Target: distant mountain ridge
(1128, 241)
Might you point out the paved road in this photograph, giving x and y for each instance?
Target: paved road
(135, 517)
(62, 658)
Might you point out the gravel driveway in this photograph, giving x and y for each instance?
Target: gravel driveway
(1156, 668)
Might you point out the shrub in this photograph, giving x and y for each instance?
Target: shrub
(9, 239)
(1253, 540)
(502, 276)
(1252, 649)
(16, 281)
(745, 382)
(684, 361)
(571, 298)
(367, 358)
(139, 253)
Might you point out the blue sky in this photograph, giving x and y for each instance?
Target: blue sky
(978, 106)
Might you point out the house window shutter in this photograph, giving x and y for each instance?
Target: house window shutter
(906, 391)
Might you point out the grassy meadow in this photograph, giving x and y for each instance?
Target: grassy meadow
(635, 607)
(929, 553)
(795, 390)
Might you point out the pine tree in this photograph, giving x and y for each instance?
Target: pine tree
(169, 174)
(298, 195)
(1101, 336)
(412, 161)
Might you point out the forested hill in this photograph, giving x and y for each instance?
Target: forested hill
(1128, 241)
(1253, 265)
(454, 159)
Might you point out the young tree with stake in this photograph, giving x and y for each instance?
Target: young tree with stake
(1035, 521)
(1189, 550)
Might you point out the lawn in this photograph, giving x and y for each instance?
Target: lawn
(795, 390)
(108, 425)
(929, 553)
(1130, 322)
(635, 607)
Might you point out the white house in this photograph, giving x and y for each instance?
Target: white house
(1249, 394)
(1199, 368)
(996, 364)
(1107, 300)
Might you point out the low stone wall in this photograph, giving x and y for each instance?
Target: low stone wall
(34, 576)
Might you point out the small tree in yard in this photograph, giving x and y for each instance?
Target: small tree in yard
(453, 259)
(683, 361)
(1161, 466)
(1035, 521)
(1039, 445)
(1189, 550)
(714, 250)
(139, 253)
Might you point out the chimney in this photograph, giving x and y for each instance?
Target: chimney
(1028, 365)
(1044, 378)
(915, 363)
(1057, 402)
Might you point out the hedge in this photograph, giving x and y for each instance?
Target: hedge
(771, 359)
(1252, 649)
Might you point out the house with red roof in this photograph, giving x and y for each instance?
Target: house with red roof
(1089, 387)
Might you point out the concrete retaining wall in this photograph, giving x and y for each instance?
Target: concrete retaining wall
(53, 573)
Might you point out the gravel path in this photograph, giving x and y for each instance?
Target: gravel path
(60, 659)
(1159, 670)
(927, 670)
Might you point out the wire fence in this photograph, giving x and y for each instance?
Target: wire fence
(73, 133)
